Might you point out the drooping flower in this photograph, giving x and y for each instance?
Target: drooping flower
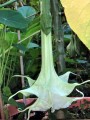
(51, 90)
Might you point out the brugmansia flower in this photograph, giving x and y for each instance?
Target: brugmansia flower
(51, 89)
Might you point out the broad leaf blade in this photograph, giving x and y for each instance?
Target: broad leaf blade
(27, 12)
(13, 19)
(20, 47)
(32, 45)
(78, 17)
(34, 28)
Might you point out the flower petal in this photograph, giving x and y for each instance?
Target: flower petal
(30, 81)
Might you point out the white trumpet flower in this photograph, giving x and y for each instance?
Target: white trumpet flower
(51, 90)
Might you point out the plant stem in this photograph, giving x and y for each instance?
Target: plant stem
(21, 64)
(59, 34)
(21, 61)
(22, 69)
(1, 106)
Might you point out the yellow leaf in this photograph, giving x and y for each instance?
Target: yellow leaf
(78, 16)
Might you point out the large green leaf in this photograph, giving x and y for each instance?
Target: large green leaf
(78, 17)
(27, 12)
(24, 48)
(13, 18)
(33, 29)
(12, 36)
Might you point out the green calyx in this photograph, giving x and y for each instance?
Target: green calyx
(46, 18)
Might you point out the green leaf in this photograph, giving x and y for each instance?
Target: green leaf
(21, 106)
(67, 38)
(13, 102)
(7, 91)
(32, 45)
(27, 12)
(23, 48)
(17, 104)
(11, 36)
(20, 47)
(13, 18)
(3, 42)
(33, 29)
(70, 61)
(1, 26)
(34, 53)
